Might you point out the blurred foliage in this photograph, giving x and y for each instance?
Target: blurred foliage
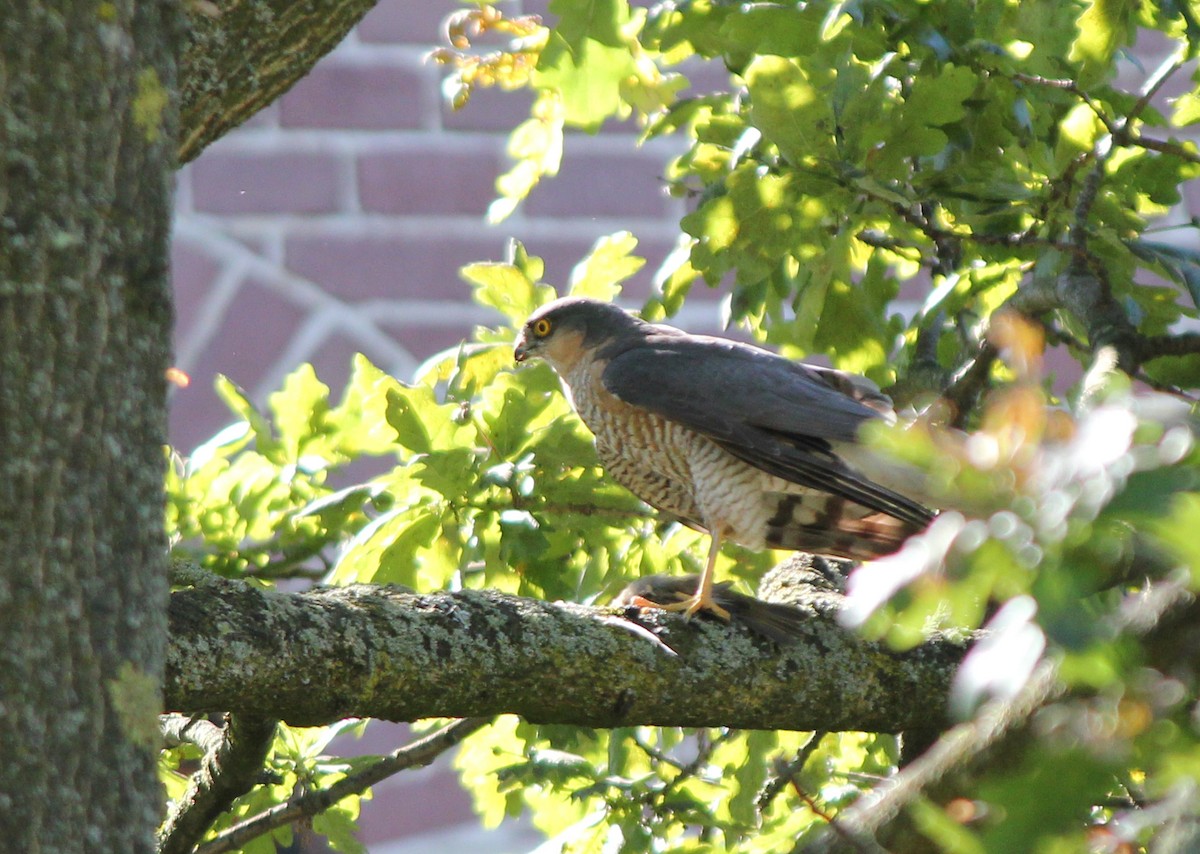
(903, 189)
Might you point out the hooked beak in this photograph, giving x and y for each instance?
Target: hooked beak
(521, 349)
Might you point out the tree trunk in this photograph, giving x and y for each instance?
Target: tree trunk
(87, 137)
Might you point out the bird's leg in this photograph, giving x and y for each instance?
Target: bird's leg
(702, 599)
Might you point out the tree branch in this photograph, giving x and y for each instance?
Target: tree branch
(200, 732)
(229, 769)
(969, 382)
(1158, 346)
(316, 657)
(415, 755)
(245, 55)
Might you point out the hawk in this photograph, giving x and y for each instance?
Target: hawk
(727, 437)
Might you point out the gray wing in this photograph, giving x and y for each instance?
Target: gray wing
(778, 415)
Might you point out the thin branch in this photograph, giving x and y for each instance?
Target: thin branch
(229, 769)
(288, 570)
(535, 505)
(1166, 388)
(197, 731)
(1162, 146)
(1067, 85)
(1154, 83)
(879, 240)
(785, 771)
(1086, 199)
(860, 846)
(1158, 346)
(969, 383)
(415, 755)
(656, 754)
(704, 751)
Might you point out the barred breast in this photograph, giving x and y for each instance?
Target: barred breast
(686, 474)
(671, 467)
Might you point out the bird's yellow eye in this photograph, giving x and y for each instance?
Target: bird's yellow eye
(541, 327)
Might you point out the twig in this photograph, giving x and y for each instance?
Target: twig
(879, 240)
(1157, 346)
(417, 754)
(533, 505)
(1162, 146)
(784, 772)
(287, 570)
(1067, 85)
(704, 751)
(229, 769)
(1086, 199)
(1153, 83)
(968, 384)
(185, 729)
(656, 754)
(860, 845)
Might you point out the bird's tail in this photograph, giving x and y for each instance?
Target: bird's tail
(844, 529)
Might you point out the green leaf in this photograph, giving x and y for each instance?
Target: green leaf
(299, 408)
(235, 398)
(503, 287)
(221, 446)
(1051, 790)
(790, 109)
(336, 507)
(536, 145)
(449, 472)
(1187, 109)
(916, 129)
(1181, 263)
(586, 59)
(409, 410)
(775, 30)
(1103, 26)
(749, 775)
(339, 825)
(398, 562)
(360, 418)
(599, 275)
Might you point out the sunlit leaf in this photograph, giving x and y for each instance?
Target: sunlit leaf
(610, 262)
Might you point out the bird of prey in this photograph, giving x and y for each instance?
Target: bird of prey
(727, 437)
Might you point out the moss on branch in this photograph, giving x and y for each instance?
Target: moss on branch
(315, 657)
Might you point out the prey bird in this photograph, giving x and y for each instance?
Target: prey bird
(728, 438)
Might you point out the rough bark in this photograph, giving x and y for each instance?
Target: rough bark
(87, 131)
(232, 764)
(241, 56)
(316, 657)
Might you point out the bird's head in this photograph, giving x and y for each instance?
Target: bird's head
(565, 330)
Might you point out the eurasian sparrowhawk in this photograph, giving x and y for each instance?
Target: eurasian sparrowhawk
(727, 437)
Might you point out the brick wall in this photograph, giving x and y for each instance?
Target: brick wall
(336, 220)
